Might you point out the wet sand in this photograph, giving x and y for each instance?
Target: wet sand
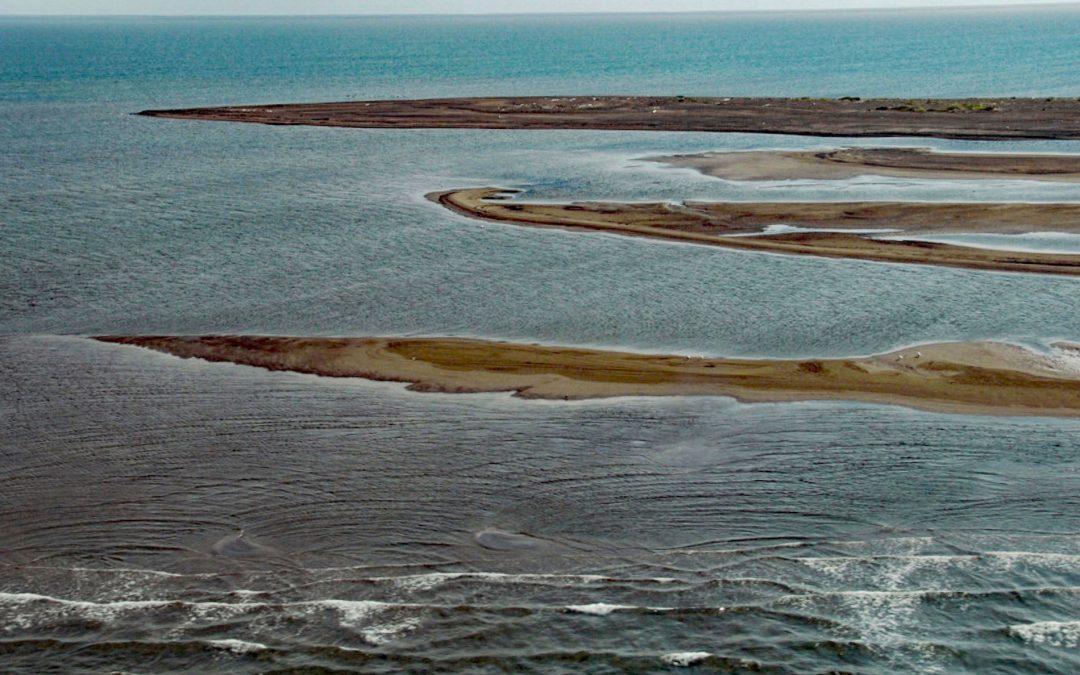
(988, 119)
(895, 162)
(977, 377)
(712, 223)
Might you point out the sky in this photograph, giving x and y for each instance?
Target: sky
(293, 7)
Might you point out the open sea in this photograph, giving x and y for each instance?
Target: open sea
(158, 514)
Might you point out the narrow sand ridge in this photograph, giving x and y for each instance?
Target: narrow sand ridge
(893, 162)
(711, 223)
(979, 377)
(987, 119)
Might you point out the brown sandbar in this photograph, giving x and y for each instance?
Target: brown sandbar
(986, 119)
(978, 377)
(713, 223)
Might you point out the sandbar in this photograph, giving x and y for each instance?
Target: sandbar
(893, 162)
(986, 119)
(713, 223)
(973, 377)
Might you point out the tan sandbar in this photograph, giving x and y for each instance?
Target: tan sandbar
(980, 377)
(894, 162)
(712, 223)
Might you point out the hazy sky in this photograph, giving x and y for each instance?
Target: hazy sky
(449, 6)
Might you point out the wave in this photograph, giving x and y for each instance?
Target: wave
(421, 579)
(684, 659)
(598, 608)
(377, 622)
(415, 583)
(237, 646)
(934, 593)
(1027, 556)
(388, 632)
(401, 578)
(180, 653)
(121, 570)
(352, 612)
(1064, 634)
(433, 579)
(27, 598)
(359, 609)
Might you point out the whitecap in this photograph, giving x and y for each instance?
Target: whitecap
(120, 605)
(597, 608)
(1064, 634)
(387, 632)
(683, 659)
(427, 581)
(237, 646)
(353, 612)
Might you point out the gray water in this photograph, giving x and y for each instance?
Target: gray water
(158, 514)
(326, 231)
(386, 530)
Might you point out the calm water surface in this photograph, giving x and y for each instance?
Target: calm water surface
(160, 514)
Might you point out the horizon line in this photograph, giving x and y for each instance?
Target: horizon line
(820, 10)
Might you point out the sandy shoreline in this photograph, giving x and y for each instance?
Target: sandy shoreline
(710, 223)
(986, 119)
(978, 377)
(893, 162)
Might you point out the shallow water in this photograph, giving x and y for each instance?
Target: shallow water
(1041, 242)
(297, 231)
(351, 524)
(163, 514)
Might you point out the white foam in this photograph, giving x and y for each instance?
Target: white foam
(387, 632)
(237, 646)
(354, 613)
(110, 611)
(1031, 556)
(1065, 359)
(899, 567)
(881, 618)
(94, 610)
(420, 582)
(683, 659)
(1065, 634)
(781, 228)
(597, 608)
(128, 570)
(27, 598)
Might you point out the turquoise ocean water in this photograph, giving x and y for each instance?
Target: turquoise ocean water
(386, 530)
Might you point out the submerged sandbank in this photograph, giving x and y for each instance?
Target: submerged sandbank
(712, 223)
(893, 162)
(987, 119)
(978, 377)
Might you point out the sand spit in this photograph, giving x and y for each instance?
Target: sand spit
(893, 162)
(979, 377)
(987, 119)
(711, 223)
